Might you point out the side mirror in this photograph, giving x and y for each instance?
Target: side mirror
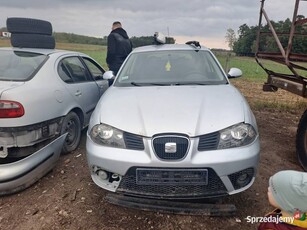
(108, 75)
(234, 73)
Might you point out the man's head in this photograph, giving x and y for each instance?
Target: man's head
(116, 25)
(288, 191)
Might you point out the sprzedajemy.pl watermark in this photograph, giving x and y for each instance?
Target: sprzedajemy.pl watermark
(269, 219)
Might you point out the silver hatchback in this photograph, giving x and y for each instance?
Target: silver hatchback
(172, 126)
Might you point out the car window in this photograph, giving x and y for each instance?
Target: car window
(19, 66)
(71, 70)
(95, 70)
(171, 67)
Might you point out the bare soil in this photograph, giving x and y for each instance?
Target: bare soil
(66, 198)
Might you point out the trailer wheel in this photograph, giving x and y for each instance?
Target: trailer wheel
(301, 141)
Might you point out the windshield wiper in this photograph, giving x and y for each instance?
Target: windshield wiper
(135, 84)
(148, 83)
(190, 83)
(166, 84)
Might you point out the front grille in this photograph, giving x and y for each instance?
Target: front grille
(212, 186)
(209, 141)
(179, 146)
(133, 141)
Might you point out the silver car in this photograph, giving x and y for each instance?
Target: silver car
(172, 126)
(46, 98)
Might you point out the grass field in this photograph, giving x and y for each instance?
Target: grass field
(94, 51)
(253, 76)
(250, 68)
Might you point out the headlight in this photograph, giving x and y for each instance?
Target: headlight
(236, 136)
(107, 135)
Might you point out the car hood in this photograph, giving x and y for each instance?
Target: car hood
(6, 85)
(190, 110)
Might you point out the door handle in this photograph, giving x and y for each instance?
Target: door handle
(78, 93)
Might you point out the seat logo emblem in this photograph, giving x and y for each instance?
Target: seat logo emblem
(170, 147)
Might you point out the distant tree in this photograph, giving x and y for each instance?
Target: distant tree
(148, 40)
(245, 42)
(230, 38)
(170, 40)
(81, 39)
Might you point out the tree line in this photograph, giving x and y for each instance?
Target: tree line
(245, 42)
(82, 39)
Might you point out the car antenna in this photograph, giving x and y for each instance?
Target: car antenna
(195, 44)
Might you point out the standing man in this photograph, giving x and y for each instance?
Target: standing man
(119, 46)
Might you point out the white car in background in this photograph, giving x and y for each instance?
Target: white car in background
(46, 98)
(173, 127)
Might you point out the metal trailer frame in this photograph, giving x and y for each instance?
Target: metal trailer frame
(294, 82)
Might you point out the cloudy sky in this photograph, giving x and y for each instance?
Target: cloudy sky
(203, 20)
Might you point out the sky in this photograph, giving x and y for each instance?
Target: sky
(206, 21)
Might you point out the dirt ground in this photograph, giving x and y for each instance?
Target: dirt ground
(66, 198)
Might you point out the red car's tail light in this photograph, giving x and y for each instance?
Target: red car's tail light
(11, 109)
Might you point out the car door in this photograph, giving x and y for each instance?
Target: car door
(80, 84)
(97, 73)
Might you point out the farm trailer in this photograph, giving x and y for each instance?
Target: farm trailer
(295, 80)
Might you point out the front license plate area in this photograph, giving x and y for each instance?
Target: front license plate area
(171, 176)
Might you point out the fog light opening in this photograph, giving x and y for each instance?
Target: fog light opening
(103, 175)
(243, 180)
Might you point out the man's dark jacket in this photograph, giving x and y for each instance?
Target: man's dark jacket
(119, 46)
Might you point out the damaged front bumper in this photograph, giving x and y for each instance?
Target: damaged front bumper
(21, 174)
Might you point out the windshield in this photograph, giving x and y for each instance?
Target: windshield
(171, 67)
(19, 66)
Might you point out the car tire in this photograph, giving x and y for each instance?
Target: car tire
(33, 41)
(301, 141)
(71, 125)
(28, 25)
